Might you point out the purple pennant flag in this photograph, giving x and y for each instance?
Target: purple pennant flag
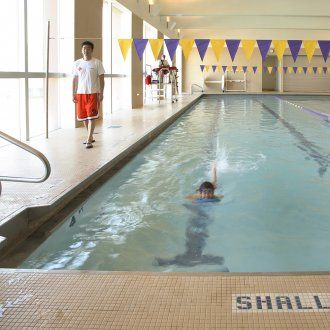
(202, 45)
(305, 69)
(171, 45)
(234, 68)
(274, 69)
(140, 46)
(285, 69)
(295, 69)
(214, 67)
(295, 46)
(264, 46)
(265, 69)
(232, 46)
(315, 69)
(202, 67)
(244, 67)
(325, 69)
(224, 68)
(325, 48)
(254, 69)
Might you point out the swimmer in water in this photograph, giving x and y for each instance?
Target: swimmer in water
(206, 190)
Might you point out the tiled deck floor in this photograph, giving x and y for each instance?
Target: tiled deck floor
(104, 300)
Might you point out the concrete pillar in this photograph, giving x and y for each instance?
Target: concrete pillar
(137, 65)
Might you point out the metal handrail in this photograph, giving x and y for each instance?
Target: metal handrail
(192, 90)
(31, 150)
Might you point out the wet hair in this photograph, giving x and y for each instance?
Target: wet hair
(206, 185)
(87, 43)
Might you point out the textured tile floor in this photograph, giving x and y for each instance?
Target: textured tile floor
(105, 300)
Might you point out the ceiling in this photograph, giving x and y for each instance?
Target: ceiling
(241, 19)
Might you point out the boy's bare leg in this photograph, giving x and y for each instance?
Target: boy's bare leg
(91, 127)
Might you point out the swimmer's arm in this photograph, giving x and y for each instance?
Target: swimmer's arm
(193, 196)
(219, 196)
(214, 175)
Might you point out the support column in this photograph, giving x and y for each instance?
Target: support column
(137, 66)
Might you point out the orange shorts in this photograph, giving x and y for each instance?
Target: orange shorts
(87, 106)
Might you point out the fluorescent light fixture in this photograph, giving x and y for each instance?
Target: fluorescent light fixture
(151, 2)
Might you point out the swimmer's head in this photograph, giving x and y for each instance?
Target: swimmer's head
(206, 190)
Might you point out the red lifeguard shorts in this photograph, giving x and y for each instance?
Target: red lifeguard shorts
(87, 106)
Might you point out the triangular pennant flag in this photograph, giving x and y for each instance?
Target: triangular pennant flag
(328, 70)
(300, 70)
(187, 45)
(315, 69)
(285, 69)
(239, 68)
(207, 68)
(214, 67)
(294, 46)
(140, 46)
(270, 69)
(229, 68)
(295, 69)
(156, 46)
(234, 68)
(264, 69)
(255, 68)
(244, 68)
(279, 46)
(264, 46)
(219, 68)
(202, 67)
(319, 70)
(248, 47)
(232, 46)
(224, 68)
(325, 48)
(202, 45)
(290, 69)
(325, 70)
(310, 70)
(217, 46)
(249, 69)
(280, 69)
(305, 69)
(309, 46)
(171, 45)
(125, 45)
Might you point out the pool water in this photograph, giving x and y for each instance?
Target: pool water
(273, 170)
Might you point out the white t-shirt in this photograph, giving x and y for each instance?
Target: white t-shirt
(88, 73)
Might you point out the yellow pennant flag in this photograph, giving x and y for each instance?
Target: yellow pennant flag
(248, 47)
(309, 46)
(300, 70)
(219, 68)
(207, 68)
(290, 69)
(217, 46)
(156, 46)
(270, 69)
(280, 46)
(319, 70)
(229, 68)
(187, 45)
(310, 70)
(239, 68)
(280, 69)
(328, 70)
(125, 45)
(249, 69)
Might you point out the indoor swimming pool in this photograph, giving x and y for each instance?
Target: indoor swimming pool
(273, 163)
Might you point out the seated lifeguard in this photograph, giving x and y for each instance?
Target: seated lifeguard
(162, 66)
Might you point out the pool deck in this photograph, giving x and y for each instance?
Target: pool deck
(131, 300)
(116, 300)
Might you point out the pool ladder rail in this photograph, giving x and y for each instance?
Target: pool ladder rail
(31, 150)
